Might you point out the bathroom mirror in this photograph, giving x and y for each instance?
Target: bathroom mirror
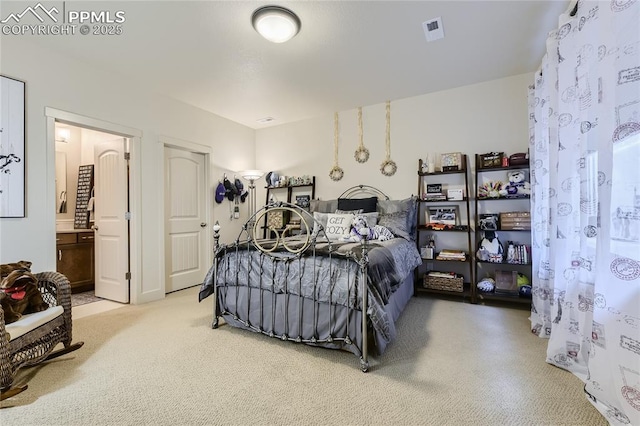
(61, 182)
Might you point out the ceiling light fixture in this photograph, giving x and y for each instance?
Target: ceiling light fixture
(276, 24)
(64, 135)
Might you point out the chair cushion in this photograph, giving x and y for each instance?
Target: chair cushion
(32, 321)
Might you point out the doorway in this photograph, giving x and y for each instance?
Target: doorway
(187, 242)
(112, 151)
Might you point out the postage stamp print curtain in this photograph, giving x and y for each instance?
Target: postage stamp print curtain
(584, 111)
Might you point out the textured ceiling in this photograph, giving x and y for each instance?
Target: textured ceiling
(348, 53)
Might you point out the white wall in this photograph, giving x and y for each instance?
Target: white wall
(73, 86)
(485, 117)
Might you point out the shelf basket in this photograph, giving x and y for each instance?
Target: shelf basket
(439, 283)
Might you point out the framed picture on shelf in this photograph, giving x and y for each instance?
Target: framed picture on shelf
(445, 215)
(303, 201)
(488, 221)
(451, 161)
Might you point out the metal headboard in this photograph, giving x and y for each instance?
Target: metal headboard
(363, 190)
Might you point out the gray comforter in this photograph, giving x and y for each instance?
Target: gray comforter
(331, 276)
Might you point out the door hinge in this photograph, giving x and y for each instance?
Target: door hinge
(127, 276)
(127, 215)
(127, 156)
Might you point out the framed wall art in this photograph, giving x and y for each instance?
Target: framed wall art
(445, 215)
(12, 147)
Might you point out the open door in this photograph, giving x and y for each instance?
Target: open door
(111, 227)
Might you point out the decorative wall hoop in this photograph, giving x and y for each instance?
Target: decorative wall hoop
(388, 166)
(336, 172)
(362, 154)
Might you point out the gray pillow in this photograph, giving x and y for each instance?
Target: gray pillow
(323, 206)
(396, 222)
(410, 205)
(308, 218)
(372, 218)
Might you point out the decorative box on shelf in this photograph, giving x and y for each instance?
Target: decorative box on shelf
(515, 221)
(455, 194)
(451, 161)
(491, 159)
(507, 282)
(447, 281)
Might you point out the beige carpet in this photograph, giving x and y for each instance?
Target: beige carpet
(162, 364)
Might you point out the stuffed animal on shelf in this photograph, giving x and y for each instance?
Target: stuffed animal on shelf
(486, 285)
(19, 292)
(517, 185)
(360, 230)
(490, 248)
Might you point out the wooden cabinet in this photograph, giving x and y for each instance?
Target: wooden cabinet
(76, 259)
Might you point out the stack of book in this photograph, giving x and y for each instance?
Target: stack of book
(518, 254)
(434, 193)
(452, 255)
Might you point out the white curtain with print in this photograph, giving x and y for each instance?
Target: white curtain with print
(585, 177)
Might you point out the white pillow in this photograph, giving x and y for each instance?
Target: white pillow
(338, 225)
(322, 219)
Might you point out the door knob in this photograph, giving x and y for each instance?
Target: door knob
(202, 225)
(94, 227)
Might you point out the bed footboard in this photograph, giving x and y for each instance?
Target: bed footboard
(330, 313)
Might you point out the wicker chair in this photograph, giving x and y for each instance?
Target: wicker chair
(37, 345)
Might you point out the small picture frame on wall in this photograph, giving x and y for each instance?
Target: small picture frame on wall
(12, 147)
(445, 215)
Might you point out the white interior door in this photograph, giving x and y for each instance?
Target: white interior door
(185, 239)
(111, 227)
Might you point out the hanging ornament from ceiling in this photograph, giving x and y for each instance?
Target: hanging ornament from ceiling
(362, 153)
(336, 172)
(388, 166)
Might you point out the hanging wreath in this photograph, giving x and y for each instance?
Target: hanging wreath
(336, 173)
(388, 166)
(362, 154)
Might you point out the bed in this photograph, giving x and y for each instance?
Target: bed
(310, 287)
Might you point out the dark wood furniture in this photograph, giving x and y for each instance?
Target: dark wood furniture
(456, 237)
(76, 258)
(290, 191)
(497, 205)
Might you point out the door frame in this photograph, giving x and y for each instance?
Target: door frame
(54, 115)
(196, 148)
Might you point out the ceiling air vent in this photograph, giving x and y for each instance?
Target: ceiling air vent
(266, 120)
(433, 29)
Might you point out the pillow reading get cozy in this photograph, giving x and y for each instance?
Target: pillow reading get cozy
(338, 225)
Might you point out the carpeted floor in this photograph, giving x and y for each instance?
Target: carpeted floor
(161, 364)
